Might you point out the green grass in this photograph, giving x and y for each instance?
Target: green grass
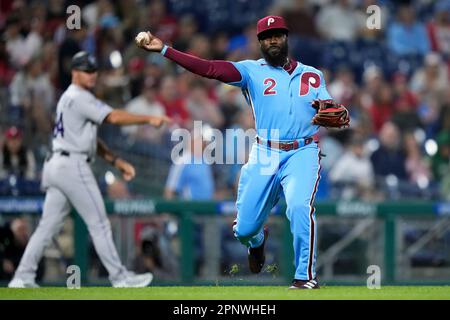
(231, 293)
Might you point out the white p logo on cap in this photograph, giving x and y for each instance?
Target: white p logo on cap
(271, 20)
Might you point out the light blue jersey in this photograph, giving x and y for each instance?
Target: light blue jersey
(280, 100)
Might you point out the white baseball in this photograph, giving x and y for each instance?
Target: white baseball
(142, 38)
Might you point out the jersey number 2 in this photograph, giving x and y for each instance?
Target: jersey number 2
(269, 90)
(59, 127)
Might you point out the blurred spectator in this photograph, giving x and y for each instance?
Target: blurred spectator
(201, 107)
(113, 86)
(155, 254)
(332, 149)
(431, 116)
(183, 82)
(405, 104)
(238, 143)
(440, 161)
(162, 24)
(407, 35)
(109, 35)
(219, 46)
(13, 241)
(32, 99)
(55, 17)
(128, 13)
(431, 81)
(175, 106)
(362, 124)
(402, 93)
(101, 13)
(191, 178)
(343, 87)
(135, 71)
(146, 103)
(6, 70)
(373, 80)
(405, 118)
(31, 83)
(389, 158)
(299, 18)
(417, 168)
(186, 32)
(199, 46)
(439, 28)
(231, 101)
(244, 45)
(106, 15)
(353, 171)
(15, 158)
(154, 67)
(50, 63)
(70, 45)
(340, 21)
(382, 107)
(20, 48)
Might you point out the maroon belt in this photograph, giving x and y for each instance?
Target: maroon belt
(285, 146)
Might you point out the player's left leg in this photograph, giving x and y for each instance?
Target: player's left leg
(300, 179)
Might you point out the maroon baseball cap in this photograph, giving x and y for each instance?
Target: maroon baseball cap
(270, 23)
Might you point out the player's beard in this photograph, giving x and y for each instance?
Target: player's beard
(274, 57)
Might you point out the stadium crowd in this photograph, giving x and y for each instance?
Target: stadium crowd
(394, 80)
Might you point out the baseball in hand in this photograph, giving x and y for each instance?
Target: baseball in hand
(142, 38)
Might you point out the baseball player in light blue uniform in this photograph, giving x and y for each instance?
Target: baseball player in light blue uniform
(298, 171)
(285, 157)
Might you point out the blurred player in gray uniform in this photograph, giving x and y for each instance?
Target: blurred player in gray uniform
(68, 178)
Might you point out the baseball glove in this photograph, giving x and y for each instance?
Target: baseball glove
(330, 114)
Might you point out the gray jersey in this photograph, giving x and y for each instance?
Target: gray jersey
(78, 115)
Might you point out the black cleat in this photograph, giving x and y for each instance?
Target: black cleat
(256, 256)
(305, 284)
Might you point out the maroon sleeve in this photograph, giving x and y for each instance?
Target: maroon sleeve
(220, 70)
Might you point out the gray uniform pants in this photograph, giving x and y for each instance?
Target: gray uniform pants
(69, 180)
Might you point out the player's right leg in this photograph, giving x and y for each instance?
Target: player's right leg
(56, 207)
(258, 191)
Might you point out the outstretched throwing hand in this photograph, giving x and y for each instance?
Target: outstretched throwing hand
(149, 42)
